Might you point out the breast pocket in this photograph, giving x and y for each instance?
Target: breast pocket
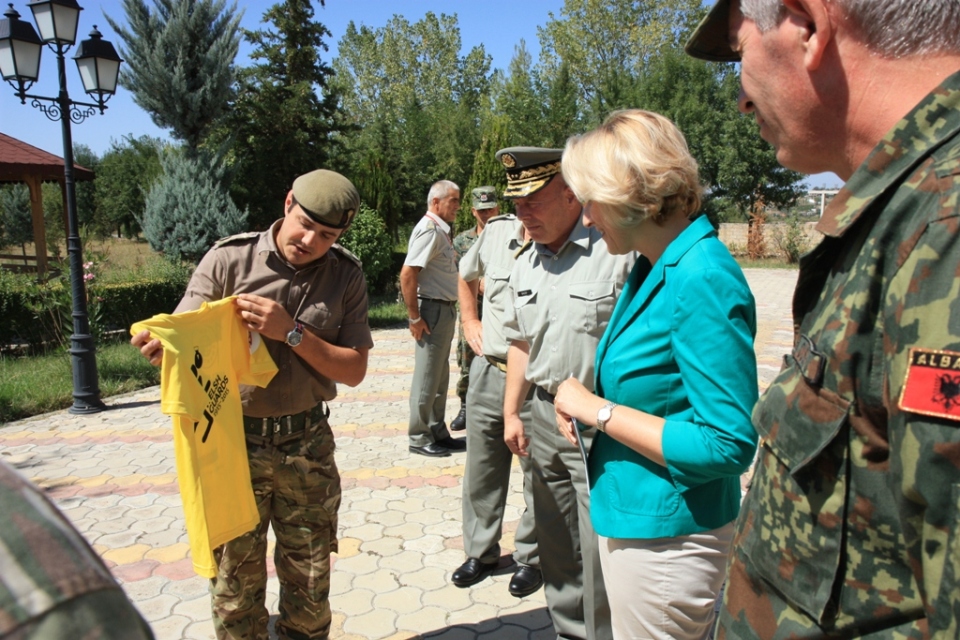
(792, 520)
(592, 305)
(322, 320)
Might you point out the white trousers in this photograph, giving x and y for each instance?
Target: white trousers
(665, 588)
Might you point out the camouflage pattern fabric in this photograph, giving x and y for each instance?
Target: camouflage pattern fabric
(465, 355)
(297, 488)
(53, 585)
(851, 528)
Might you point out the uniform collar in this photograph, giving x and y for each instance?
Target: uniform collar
(935, 120)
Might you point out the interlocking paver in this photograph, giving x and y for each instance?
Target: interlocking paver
(113, 474)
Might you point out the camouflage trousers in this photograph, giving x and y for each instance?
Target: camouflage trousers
(465, 356)
(297, 489)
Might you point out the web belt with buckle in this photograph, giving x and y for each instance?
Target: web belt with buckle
(283, 429)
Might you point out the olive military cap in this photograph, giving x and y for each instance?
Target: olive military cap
(327, 197)
(711, 40)
(484, 198)
(529, 169)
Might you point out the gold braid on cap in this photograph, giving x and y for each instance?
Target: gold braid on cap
(533, 173)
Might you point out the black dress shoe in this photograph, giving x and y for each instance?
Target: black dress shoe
(460, 422)
(473, 571)
(433, 449)
(525, 580)
(453, 444)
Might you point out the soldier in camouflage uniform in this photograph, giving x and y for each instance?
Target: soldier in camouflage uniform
(484, 206)
(53, 585)
(852, 525)
(307, 297)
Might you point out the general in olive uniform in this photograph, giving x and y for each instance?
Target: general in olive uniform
(851, 528)
(562, 294)
(486, 478)
(307, 298)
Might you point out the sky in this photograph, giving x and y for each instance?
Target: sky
(499, 25)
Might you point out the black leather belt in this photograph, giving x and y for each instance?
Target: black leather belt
(437, 300)
(282, 429)
(543, 394)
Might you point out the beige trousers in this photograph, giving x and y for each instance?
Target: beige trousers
(665, 588)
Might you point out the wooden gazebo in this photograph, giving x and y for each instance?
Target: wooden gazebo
(21, 162)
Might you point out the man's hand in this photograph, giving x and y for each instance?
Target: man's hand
(265, 316)
(515, 437)
(150, 348)
(418, 328)
(473, 334)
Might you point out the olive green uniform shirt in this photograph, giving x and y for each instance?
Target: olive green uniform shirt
(329, 296)
(492, 257)
(431, 249)
(561, 303)
(852, 525)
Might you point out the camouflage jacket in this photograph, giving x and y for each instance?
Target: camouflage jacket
(53, 585)
(852, 525)
(463, 242)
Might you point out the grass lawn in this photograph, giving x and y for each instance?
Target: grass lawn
(35, 385)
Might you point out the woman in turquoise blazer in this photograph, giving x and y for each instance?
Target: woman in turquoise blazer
(676, 380)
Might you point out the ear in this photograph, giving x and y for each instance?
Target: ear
(288, 203)
(816, 28)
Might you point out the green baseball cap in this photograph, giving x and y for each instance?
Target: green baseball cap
(327, 197)
(484, 198)
(711, 40)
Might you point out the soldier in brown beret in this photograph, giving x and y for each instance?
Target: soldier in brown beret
(307, 298)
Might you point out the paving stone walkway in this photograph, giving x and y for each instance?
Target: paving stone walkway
(113, 474)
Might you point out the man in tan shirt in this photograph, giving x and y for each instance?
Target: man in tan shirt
(307, 297)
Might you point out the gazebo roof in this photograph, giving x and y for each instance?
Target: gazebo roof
(19, 159)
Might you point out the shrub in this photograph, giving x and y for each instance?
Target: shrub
(189, 207)
(369, 240)
(38, 314)
(791, 239)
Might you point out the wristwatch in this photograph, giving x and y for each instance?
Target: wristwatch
(295, 336)
(604, 415)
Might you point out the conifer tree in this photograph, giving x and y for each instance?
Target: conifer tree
(179, 62)
(188, 208)
(285, 113)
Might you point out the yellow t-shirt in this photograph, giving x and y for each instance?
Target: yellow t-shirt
(207, 353)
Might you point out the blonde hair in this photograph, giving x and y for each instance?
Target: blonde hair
(638, 164)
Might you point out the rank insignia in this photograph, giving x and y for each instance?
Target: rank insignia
(932, 384)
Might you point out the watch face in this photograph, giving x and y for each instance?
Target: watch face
(294, 338)
(604, 414)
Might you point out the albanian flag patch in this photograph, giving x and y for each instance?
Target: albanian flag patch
(932, 385)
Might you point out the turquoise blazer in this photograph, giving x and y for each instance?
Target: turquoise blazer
(679, 346)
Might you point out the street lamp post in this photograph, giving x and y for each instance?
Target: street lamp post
(99, 67)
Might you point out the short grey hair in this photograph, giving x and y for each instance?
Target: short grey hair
(440, 190)
(891, 28)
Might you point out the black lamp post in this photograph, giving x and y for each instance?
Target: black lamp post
(99, 66)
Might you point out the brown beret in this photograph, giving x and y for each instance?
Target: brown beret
(327, 197)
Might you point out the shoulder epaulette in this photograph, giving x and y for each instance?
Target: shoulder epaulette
(347, 254)
(236, 238)
(504, 216)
